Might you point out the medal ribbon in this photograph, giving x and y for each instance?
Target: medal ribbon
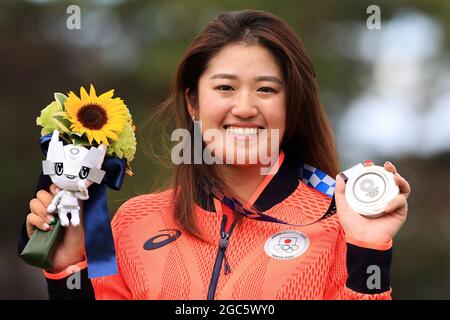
(307, 174)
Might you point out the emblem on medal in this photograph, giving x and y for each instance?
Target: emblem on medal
(369, 189)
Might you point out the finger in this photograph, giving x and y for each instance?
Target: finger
(35, 221)
(39, 209)
(340, 185)
(403, 185)
(45, 197)
(339, 192)
(390, 167)
(397, 203)
(54, 189)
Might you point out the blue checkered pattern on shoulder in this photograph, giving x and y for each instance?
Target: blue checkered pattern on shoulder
(317, 179)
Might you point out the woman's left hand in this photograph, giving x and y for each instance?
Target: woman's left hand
(378, 230)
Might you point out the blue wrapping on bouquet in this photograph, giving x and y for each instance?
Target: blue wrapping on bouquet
(98, 238)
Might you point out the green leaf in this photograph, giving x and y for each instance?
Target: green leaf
(60, 124)
(61, 99)
(46, 119)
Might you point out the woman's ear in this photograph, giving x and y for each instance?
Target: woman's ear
(190, 101)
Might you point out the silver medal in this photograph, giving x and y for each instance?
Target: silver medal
(369, 189)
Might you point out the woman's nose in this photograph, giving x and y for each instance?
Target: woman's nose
(244, 107)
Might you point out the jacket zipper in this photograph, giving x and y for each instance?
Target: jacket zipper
(220, 258)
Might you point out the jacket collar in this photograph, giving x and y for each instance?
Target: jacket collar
(272, 190)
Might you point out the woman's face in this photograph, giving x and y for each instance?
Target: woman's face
(241, 92)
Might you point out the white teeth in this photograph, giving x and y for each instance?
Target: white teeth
(242, 131)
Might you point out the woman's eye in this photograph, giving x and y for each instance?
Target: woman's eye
(84, 172)
(267, 89)
(59, 168)
(224, 88)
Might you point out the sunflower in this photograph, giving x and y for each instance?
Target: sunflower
(99, 117)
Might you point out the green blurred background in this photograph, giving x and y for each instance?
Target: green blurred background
(386, 91)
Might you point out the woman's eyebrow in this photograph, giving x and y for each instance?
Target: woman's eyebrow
(268, 78)
(234, 77)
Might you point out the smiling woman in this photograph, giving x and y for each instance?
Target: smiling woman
(241, 94)
(223, 230)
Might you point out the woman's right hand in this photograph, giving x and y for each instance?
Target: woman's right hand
(71, 249)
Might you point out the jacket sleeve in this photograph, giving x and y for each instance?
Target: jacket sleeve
(360, 271)
(70, 284)
(74, 284)
(64, 284)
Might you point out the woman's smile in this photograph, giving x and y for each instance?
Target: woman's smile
(243, 132)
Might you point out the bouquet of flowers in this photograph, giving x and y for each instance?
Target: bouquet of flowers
(90, 120)
(97, 145)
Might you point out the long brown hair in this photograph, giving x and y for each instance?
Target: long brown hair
(308, 137)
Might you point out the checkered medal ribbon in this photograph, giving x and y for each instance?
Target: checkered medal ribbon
(317, 179)
(307, 174)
